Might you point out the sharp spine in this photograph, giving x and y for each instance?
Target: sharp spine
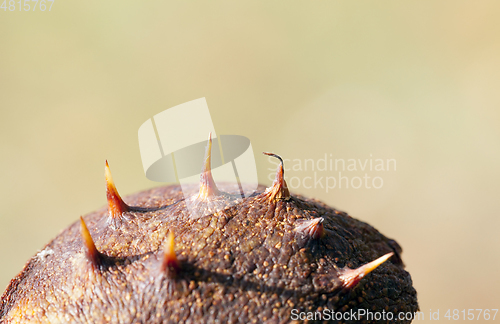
(91, 251)
(170, 264)
(279, 189)
(116, 206)
(313, 228)
(208, 189)
(350, 277)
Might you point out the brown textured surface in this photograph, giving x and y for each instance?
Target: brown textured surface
(247, 263)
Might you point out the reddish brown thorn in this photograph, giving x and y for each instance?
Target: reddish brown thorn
(90, 250)
(350, 277)
(312, 228)
(116, 206)
(208, 188)
(279, 189)
(170, 262)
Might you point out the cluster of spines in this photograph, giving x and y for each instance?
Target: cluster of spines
(116, 208)
(170, 265)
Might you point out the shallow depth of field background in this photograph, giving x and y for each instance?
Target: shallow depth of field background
(414, 81)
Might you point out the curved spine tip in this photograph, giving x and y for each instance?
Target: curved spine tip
(350, 277)
(116, 205)
(313, 228)
(90, 250)
(279, 189)
(208, 189)
(170, 262)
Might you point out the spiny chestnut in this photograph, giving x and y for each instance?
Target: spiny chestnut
(150, 259)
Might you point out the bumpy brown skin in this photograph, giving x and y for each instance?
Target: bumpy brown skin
(244, 264)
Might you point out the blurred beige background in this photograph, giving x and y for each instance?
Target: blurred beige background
(414, 81)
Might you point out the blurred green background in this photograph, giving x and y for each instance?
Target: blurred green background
(414, 81)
